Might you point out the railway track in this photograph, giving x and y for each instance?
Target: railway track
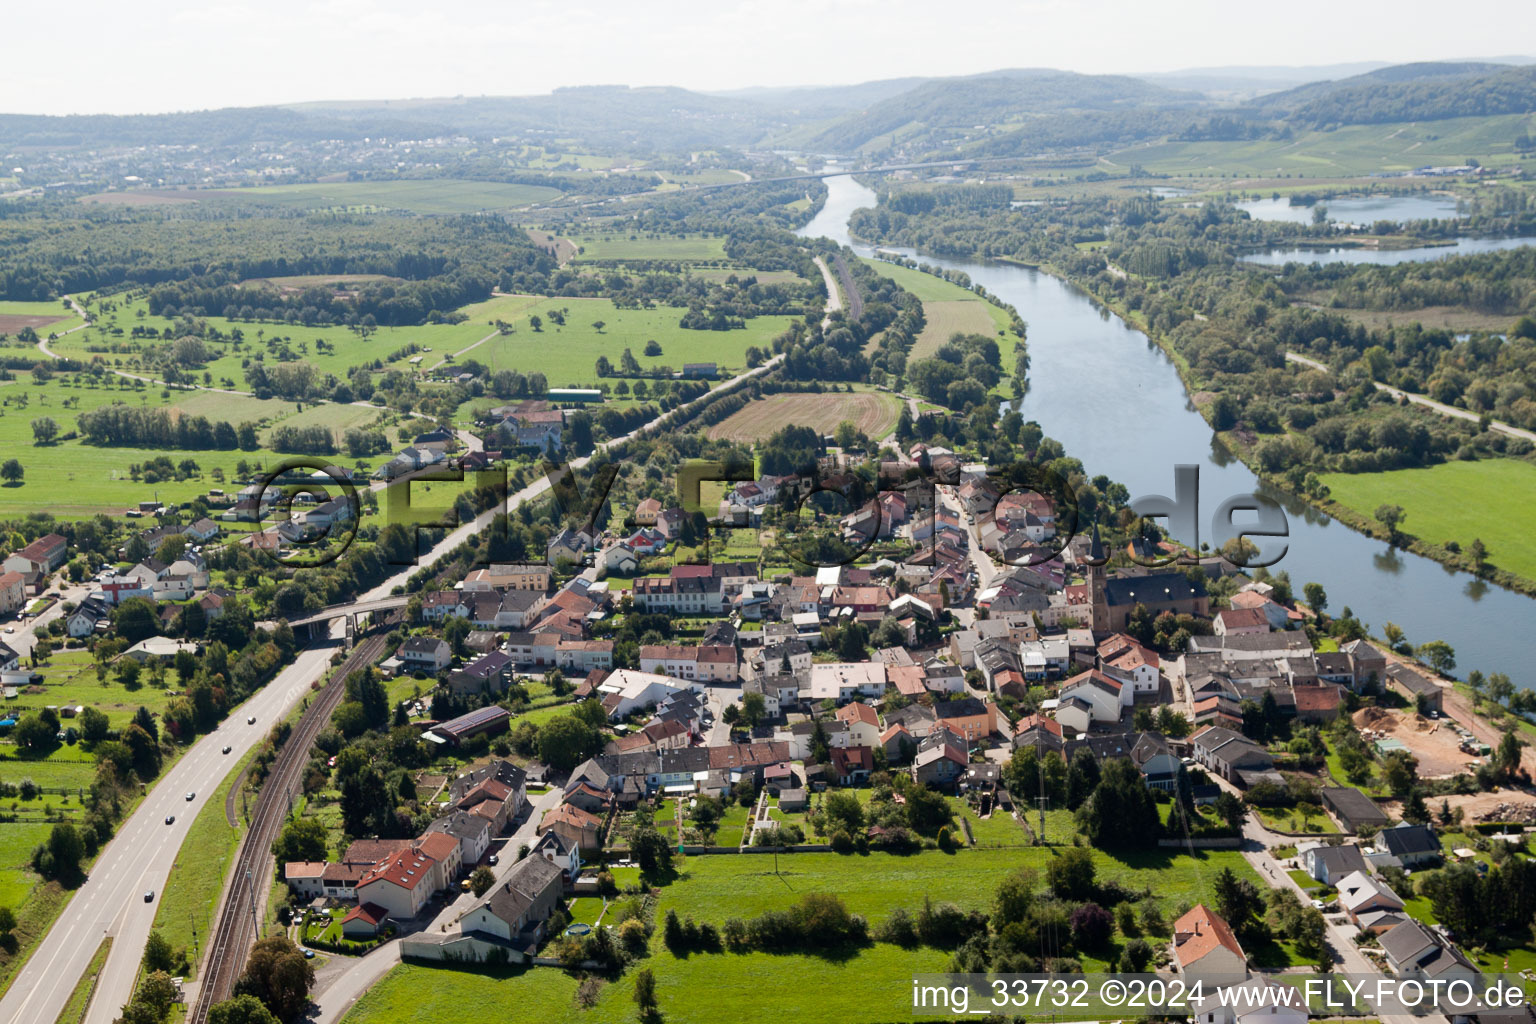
(235, 928)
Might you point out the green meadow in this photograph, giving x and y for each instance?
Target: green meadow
(870, 984)
(617, 246)
(1490, 499)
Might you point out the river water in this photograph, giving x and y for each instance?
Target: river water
(1116, 402)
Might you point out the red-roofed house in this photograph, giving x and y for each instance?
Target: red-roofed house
(862, 721)
(1204, 946)
(444, 850)
(852, 765)
(575, 825)
(400, 884)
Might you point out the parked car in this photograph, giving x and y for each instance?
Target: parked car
(309, 954)
(493, 858)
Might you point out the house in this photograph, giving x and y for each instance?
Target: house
(647, 512)
(1106, 696)
(1205, 949)
(841, 682)
(940, 766)
(443, 850)
(1330, 864)
(471, 831)
(159, 647)
(1360, 893)
(42, 556)
(1414, 845)
(88, 616)
(1367, 663)
(1159, 768)
(625, 691)
(13, 592)
(852, 764)
(517, 908)
(1414, 951)
(509, 576)
(560, 852)
(501, 785)
(1352, 809)
(426, 654)
(304, 878)
(363, 921)
(1229, 754)
(575, 825)
(968, 717)
(568, 544)
(489, 672)
(399, 883)
(1240, 621)
(862, 721)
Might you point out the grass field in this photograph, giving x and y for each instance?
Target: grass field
(872, 984)
(873, 412)
(567, 354)
(449, 196)
(949, 308)
(1489, 499)
(612, 246)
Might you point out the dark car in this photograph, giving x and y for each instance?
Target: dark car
(251, 720)
(170, 819)
(226, 750)
(493, 858)
(149, 896)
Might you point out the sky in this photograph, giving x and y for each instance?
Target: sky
(150, 56)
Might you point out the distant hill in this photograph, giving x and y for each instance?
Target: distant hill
(998, 97)
(1408, 92)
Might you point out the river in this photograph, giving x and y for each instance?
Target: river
(1116, 402)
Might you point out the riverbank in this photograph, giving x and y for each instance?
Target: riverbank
(1457, 561)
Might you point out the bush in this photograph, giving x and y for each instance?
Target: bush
(1136, 956)
(898, 929)
(633, 937)
(1091, 927)
(841, 842)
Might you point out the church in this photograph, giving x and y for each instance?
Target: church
(1113, 599)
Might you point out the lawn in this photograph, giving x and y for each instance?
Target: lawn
(418, 196)
(1488, 499)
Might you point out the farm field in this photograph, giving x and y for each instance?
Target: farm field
(1451, 318)
(567, 354)
(873, 412)
(1346, 151)
(1489, 499)
(448, 196)
(871, 984)
(43, 317)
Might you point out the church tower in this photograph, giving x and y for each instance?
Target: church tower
(1098, 599)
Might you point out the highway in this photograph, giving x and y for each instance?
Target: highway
(139, 857)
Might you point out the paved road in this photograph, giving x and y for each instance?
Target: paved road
(834, 297)
(1430, 403)
(986, 569)
(347, 986)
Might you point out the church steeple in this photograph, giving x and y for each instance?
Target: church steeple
(1097, 577)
